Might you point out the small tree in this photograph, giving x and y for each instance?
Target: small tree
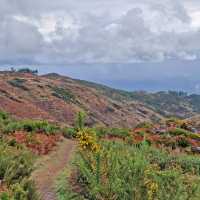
(27, 70)
(12, 69)
(80, 121)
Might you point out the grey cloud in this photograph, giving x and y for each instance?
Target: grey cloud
(120, 31)
(19, 41)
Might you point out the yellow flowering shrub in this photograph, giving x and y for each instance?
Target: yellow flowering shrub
(121, 171)
(151, 185)
(87, 140)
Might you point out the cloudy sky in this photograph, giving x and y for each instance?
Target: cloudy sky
(129, 44)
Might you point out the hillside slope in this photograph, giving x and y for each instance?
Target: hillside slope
(168, 104)
(57, 98)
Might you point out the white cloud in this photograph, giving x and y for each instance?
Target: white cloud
(98, 31)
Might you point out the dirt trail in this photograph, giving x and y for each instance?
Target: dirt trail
(49, 167)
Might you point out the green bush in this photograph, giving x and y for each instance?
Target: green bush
(80, 120)
(144, 125)
(19, 83)
(183, 132)
(120, 132)
(114, 132)
(4, 115)
(24, 191)
(183, 142)
(12, 127)
(30, 126)
(64, 187)
(128, 172)
(16, 166)
(63, 94)
(69, 132)
(195, 136)
(18, 170)
(27, 70)
(5, 196)
(38, 126)
(101, 131)
(179, 131)
(142, 133)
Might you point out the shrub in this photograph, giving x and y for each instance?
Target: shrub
(63, 94)
(9, 125)
(182, 132)
(183, 142)
(5, 196)
(4, 115)
(19, 83)
(120, 132)
(25, 191)
(27, 70)
(144, 125)
(64, 187)
(88, 140)
(18, 170)
(113, 132)
(12, 127)
(101, 131)
(31, 126)
(16, 166)
(128, 172)
(195, 136)
(69, 132)
(179, 131)
(142, 133)
(80, 120)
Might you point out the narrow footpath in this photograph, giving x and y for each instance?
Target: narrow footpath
(49, 167)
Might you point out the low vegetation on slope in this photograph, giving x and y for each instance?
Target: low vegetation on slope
(9, 125)
(38, 136)
(96, 99)
(57, 99)
(16, 165)
(168, 104)
(20, 144)
(127, 168)
(116, 170)
(119, 171)
(110, 163)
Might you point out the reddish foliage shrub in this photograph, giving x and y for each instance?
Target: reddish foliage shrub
(38, 143)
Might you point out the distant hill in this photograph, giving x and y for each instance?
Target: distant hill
(168, 104)
(171, 103)
(58, 98)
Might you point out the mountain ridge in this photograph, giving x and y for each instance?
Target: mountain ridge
(167, 103)
(58, 98)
